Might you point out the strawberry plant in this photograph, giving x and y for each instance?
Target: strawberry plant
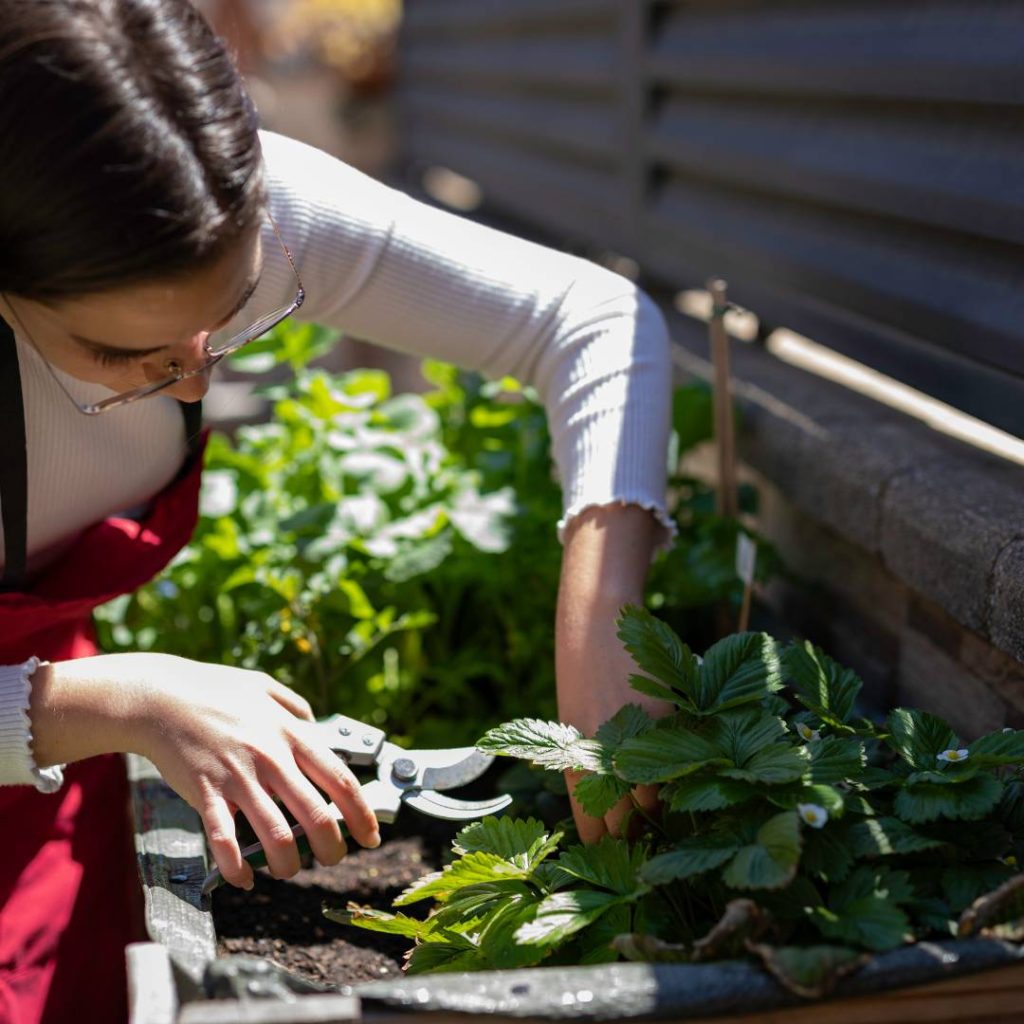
(792, 829)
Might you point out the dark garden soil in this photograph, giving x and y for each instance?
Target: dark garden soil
(282, 920)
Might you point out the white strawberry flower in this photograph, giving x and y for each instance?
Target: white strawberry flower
(1008, 729)
(813, 815)
(807, 733)
(952, 756)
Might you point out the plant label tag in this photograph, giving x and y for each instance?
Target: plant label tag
(746, 558)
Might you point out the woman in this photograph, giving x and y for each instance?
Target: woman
(148, 228)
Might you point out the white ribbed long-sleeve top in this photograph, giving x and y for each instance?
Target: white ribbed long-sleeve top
(380, 266)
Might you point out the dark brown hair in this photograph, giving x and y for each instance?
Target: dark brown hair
(128, 145)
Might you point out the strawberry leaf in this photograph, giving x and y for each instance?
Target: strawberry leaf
(706, 794)
(771, 861)
(970, 800)
(522, 843)
(822, 685)
(563, 914)
(664, 754)
(548, 744)
(835, 758)
(609, 864)
(691, 857)
(880, 837)
(740, 669)
(471, 869)
(919, 737)
(598, 794)
(659, 652)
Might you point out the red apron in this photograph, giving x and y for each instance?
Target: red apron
(70, 897)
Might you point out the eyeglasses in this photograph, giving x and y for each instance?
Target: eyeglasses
(217, 346)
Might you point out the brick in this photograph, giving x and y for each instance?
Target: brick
(1006, 624)
(933, 680)
(945, 523)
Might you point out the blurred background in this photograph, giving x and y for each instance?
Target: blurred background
(322, 71)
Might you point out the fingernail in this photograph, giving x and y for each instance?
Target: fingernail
(374, 841)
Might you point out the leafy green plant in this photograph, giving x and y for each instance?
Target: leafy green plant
(792, 828)
(372, 550)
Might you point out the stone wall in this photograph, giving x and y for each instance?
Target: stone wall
(906, 547)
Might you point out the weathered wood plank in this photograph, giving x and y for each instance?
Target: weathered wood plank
(152, 996)
(329, 1009)
(171, 850)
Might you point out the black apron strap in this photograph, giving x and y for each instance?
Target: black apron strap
(13, 464)
(14, 459)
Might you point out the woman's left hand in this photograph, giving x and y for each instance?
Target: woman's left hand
(607, 553)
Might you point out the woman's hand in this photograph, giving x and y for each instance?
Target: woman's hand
(225, 739)
(607, 552)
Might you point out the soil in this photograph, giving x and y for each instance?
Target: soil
(282, 921)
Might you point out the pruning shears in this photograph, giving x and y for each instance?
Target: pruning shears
(416, 778)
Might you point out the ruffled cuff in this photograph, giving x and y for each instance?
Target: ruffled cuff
(17, 765)
(667, 532)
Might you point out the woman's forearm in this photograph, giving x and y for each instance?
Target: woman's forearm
(85, 707)
(604, 566)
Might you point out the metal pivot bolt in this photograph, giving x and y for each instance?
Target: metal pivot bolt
(404, 769)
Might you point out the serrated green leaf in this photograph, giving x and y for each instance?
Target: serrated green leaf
(873, 880)
(690, 857)
(629, 721)
(523, 843)
(880, 837)
(835, 758)
(869, 921)
(598, 794)
(741, 734)
(471, 869)
(563, 914)
(596, 939)
(927, 801)
(776, 764)
(919, 737)
(551, 745)
(476, 901)
(872, 778)
(663, 754)
(965, 883)
(611, 864)
(951, 777)
(771, 861)
(827, 854)
(444, 958)
(650, 688)
(739, 669)
(376, 920)
(822, 685)
(824, 796)
(658, 651)
(809, 971)
(706, 794)
(497, 939)
(998, 748)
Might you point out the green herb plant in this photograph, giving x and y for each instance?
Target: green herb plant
(394, 556)
(793, 829)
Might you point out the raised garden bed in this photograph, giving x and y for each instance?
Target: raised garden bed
(189, 976)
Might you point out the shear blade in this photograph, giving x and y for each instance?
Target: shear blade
(449, 769)
(448, 808)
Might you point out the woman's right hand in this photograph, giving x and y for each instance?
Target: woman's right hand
(226, 739)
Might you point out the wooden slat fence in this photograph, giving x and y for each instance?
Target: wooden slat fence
(855, 168)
